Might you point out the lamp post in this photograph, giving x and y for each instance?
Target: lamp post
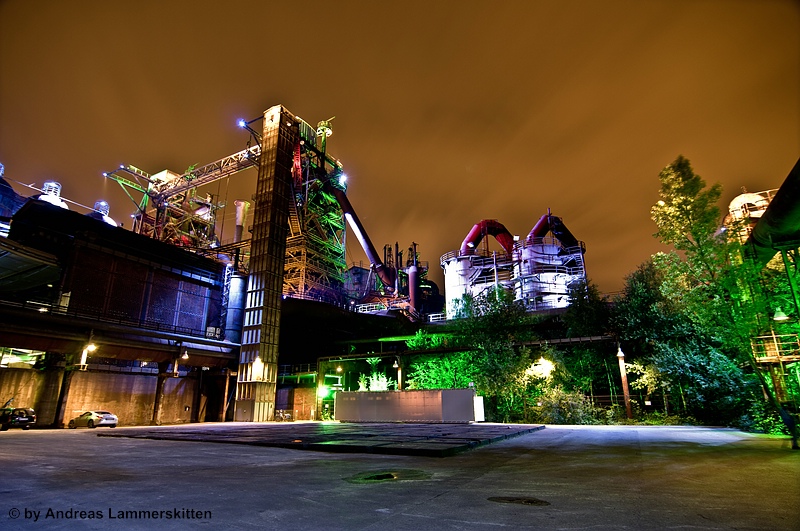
(624, 374)
(399, 374)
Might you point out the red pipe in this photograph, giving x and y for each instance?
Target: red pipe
(541, 228)
(490, 227)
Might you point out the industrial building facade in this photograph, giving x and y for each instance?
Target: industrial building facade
(187, 325)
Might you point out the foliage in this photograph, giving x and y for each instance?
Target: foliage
(493, 326)
(588, 312)
(712, 387)
(557, 406)
(647, 377)
(761, 418)
(642, 315)
(376, 380)
(686, 317)
(441, 371)
(687, 215)
(379, 382)
(423, 340)
(684, 321)
(491, 330)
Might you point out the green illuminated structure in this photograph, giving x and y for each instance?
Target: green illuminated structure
(297, 244)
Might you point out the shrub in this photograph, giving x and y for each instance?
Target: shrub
(556, 406)
(761, 419)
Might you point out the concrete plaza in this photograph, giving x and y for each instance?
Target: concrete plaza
(559, 477)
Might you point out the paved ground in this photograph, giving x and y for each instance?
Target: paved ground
(561, 477)
(429, 440)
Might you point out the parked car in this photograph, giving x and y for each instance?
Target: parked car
(17, 417)
(93, 419)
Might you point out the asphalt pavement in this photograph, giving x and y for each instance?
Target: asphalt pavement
(559, 477)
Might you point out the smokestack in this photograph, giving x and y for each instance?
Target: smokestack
(413, 279)
(241, 217)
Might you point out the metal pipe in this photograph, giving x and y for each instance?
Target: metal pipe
(241, 216)
(490, 227)
(780, 222)
(387, 275)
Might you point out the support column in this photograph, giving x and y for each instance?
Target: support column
(159, 395)
(790, 266)
(63, 396)
(258, 361)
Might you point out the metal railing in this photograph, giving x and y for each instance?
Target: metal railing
(111, 318)
(776, 348)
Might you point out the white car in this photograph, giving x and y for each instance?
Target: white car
(93, 419)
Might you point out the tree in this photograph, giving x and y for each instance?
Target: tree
(691, 312)
(588, 312)
(452, 370)
(493, 326)
(688, 217)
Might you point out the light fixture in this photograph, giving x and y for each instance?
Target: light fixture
(779, 315)
(91, 347)
(185, 355)
(396, 365)
(339, 368)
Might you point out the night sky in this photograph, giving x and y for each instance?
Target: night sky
(446, 112)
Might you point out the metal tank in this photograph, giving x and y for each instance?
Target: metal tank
(51, 193)
(547, 267)
(541, 269)
(474, 271)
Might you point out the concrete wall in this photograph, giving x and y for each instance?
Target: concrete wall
(434, 405)
(129, 396)
(20, 384)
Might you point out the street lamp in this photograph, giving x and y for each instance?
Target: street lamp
(779, 315)
(90, 347)
(396, 365)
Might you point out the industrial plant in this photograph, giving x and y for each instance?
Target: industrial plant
(177, 320)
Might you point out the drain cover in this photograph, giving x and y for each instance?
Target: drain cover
(519, 500)
(378, 476)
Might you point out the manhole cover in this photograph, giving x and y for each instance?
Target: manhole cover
(379, 476)
(519, 500)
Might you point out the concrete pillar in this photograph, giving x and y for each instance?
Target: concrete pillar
(63, 396)
(159, 395)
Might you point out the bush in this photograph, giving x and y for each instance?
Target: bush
(556, 406)
(760, 418)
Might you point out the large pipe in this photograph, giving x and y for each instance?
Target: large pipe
(490, 227)
(241, 217)
(387, 275)
(413, 278)
(780, 222)
(550, 223)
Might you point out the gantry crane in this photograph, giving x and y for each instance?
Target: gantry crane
(171, 210)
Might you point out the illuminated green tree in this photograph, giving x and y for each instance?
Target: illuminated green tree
(690, 313)
(688, 217)
(494, 326)
(451, 370)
